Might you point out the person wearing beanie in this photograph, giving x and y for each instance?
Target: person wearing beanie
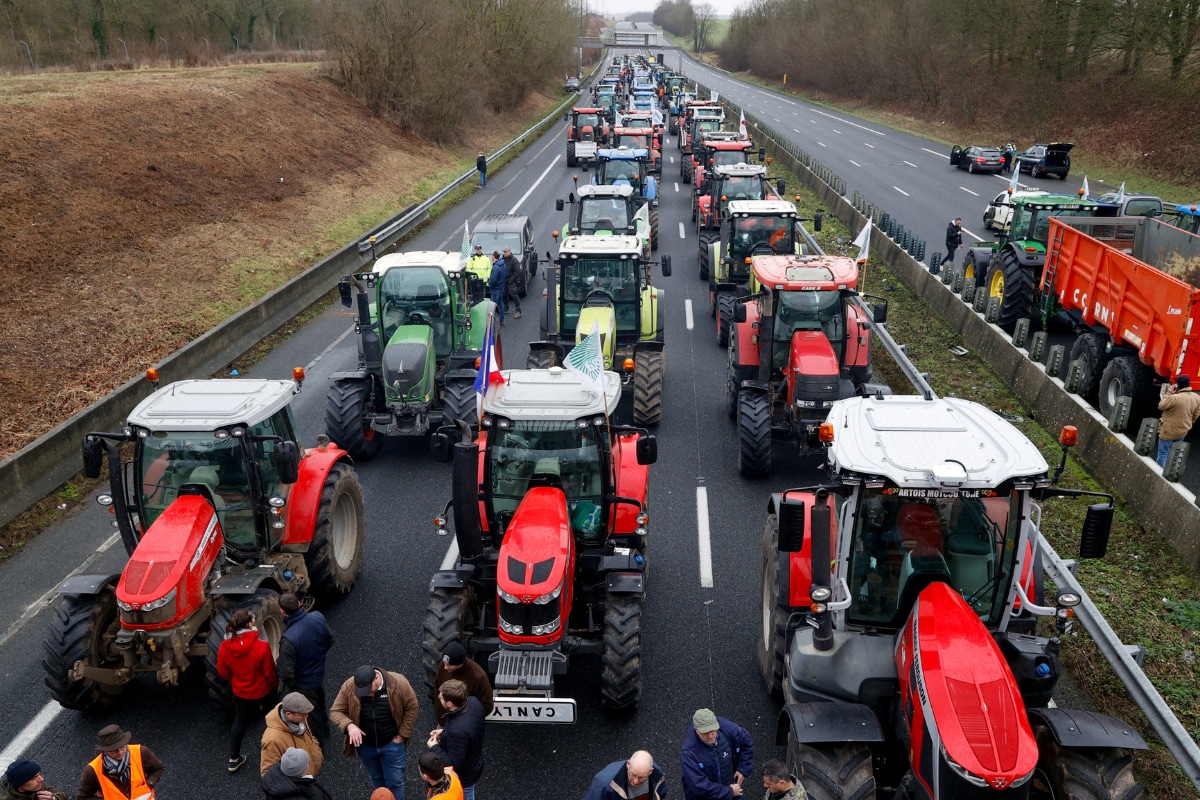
(287, 726)
(23, 781)
(376, 710)
(456, 665)
(120, 770)
(1180, 408)
(717, 756)
(290, 779)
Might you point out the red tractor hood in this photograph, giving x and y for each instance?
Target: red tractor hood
(813, 368)
(964, 697)
(537, 546)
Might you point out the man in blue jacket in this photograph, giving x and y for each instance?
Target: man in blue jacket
(460, 739)
(498, 284)
(639, 777)
(301, 662)
(717, 756)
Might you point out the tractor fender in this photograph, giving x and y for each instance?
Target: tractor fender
(451, 579)
(755, 386)
(725, 286)
(304, 497)
(462, 375)
(358, 374)
(247, 582)
(1025, 258)
(88, 584)
(832, 721)
(648, 346)
(982, 256)
(625, 583)
(1077, 729)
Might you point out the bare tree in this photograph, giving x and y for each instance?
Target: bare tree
(702, 25)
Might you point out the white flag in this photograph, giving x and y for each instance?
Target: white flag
(464, 254)
(1120, 194)
(586, 360)
(1012, 183)
(715, 97)
(742, 127)
(863, 242)
(1084, 189)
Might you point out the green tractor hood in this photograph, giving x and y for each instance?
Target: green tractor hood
(603, 318)
(409, 364)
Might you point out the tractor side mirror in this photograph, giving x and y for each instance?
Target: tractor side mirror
(879, 311)
(739, 312)
(818, 220)
(762, 155)
(441, 445)
(1097, 525)
(666, 266)
(791, 525)
(93, 456)
(558, 204)
(286, 458)
(647, 449)
(779, 187)
(344, 292)
(566, 114)
(571, 197)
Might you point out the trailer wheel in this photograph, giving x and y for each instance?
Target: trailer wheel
(648, 372)
(448, 614)
(1089, 349)
(772, 631)
(1118, 421)
(1021, 332)
(1037, 346)
(335, 555)
(724, 317)
(833, 771)
(1016, 289)
(1146, 443)
(82, 629)
(653, 228)
(265, 605)
(1177, 458)
(980, 301)
(754, 434)
(344, 422)
(1125, 376)
(1094, 773)
(935, 266)
(621, 672)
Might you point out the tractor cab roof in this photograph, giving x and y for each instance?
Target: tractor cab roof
(634, 130)
(449, 262)
(760, 208)
(741, 170)
(555, 395)
(1046, 200)
(588, 110)
(600, 247)
(725, 143)
(606, 190)
(894, 436)
(805, 273)
(205, 405)
(624, 154)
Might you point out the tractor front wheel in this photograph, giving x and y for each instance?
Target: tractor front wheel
(1094, 773)
(772, 630)
(1016, 289)
(447, 615)
(459, 403)
(754, 434)
(621, 675)
(82, 629)
(706, 240)
(571, 159)
(653, 228)
(648, 370)
(265, 605)
(345, 406)
(725, 301)
(335, 555)
(833, 771)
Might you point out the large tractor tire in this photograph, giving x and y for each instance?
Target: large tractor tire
(82, 629)
(269, 619)
(732, 383)
(706, 240)
(1089, 348)
(649, 369)
(1014, 285)
(973, 268)
(772, 629)
(448, 614)
(621, 673)
(344, 407)
(754, 434)
(833, 771)
(335, 555)
(572, 161)
(460, 403)
(653, 228)
(725, 301)
(1094, 773)
(541, 359)
(1125, 376)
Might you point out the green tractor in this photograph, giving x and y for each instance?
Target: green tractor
(604, 283)
(608, 211)
(1001, 278)
(419, 342)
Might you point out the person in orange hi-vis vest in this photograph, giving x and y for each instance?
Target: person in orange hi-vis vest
(121, 771)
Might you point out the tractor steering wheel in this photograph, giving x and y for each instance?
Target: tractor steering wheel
(598, 298)
(416, 317)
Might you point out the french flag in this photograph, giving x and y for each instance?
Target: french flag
(489, 367)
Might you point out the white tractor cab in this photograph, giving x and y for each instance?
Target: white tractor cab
(607, 211)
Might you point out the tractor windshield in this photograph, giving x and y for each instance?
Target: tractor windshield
(590, 282)
(742, 187)
(727, 158)
(623, 169)
(808, 311)
(532, 453)
(603, 214)
(902, 544)
(588, 121)
(706, 125)
(634, 141)
(417, 296)
(773, 232)
(1034, 223)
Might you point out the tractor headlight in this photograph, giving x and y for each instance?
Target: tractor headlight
(544, 599)
(1024, 779)
(121, 604)
(961, 771)
(154, 605)
(508, 627)
(549, 627)
(506, 597)
(806, 404)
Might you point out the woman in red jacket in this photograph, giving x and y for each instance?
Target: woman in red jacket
(246, 662)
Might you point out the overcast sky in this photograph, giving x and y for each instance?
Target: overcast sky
(615, 8)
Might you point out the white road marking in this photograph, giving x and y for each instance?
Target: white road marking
(855, 163)
(529, 191)
(968, 191)
(848, 122)
(973, 236)
(835, 130)
(31, 732)
(868, 144)
(706, 574)
(914, 166)
(901, 191)
(682, 233)
(821, 143)
(687, 313)
(451, 555)
(795, 130)
(813, 121)
(777, 119)
(677, 187)
(672, 159)
(933, 152)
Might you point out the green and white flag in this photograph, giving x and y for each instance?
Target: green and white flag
(586, 361)
(464, 254)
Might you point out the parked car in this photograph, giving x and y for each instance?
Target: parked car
(977, 158)
(1046, 159)
(514, 231)
(572, 85)
(998, 213)
(1133, 204)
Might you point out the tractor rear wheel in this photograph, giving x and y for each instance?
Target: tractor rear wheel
(725, 302)
(447, 615)
(754, 434)
(706, 240)
(541, 359)
(571, 159)
(1089, 348)
(460, 403)
(1015, 288)
(833, 771)
(772, 632)
(648, 369)
(344, 408)
(269, 619)
(335, 555)
(1094, 773)
(732, 384)
(1125, 376)
(82, 629)
(621, 675)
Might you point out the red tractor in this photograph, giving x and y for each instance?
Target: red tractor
(705, 155)
(550, 515)
(699, 116)
(722, 184)
(898, 615)
(219, 510)
(587, 131)
(641, 138)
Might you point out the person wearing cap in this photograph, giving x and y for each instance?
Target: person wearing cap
(120, 771)
(513, 284)
(637, 777)
(459, 741)
(781, 784)
(456, 665)
(376, 710)
(1180, 407)
(481, 165)
(291, 779)
(440, 781)
(287, 726)
(717, 756)
(23, 781)
(301, 664)
(479, 269)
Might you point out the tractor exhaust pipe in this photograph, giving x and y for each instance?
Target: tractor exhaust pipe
(372, 349)
(821, 591)
(465, 481)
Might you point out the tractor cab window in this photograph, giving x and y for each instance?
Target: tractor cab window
(632, 141)
(417, 296)
(623, 169)
(742, 187)
(808, 311)
(601, 282)
(727, 158)
(603, 214)
(564, 455)
(588, 121)
(903, 544)
(774, 232)
(706, 125)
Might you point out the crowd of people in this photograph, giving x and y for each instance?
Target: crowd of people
(500, 277)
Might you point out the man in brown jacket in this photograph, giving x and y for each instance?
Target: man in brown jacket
(287, 726)
(456, 665)
(1180, 407)
(376, 710)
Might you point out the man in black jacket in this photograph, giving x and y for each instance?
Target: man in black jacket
(481, 165)
(301, 663)
(290, 779)
(460, 739)
(953, 239)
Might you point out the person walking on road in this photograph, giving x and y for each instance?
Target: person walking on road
(302, 653)
(459, 741)
(516, 278)
(376, 711)
(291, 779)
(481, 165)
(246, 662)
(287, 726)
(781, 784)
(440, 781)
(120, 771)
(717, 756)
(953, 239)
(1180, 407)
(455, 664)
(23, 781)
(638, 777)
(498, 284)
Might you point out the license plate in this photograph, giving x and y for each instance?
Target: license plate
(585, 149)
(538, 710)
